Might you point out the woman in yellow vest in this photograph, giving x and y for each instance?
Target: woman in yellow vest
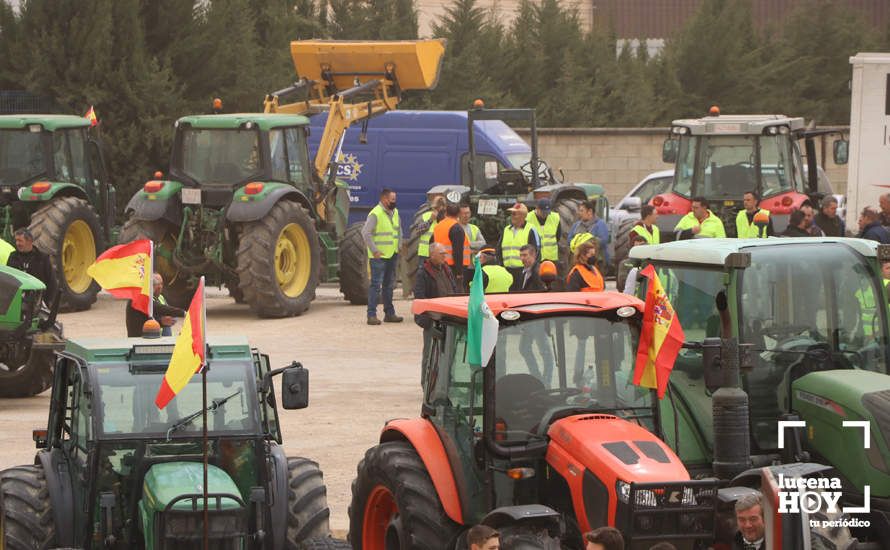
(584, 276)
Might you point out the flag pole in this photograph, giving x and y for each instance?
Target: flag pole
(204, 414)
(151, 282)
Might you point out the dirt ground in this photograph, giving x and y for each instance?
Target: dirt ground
(360, 376)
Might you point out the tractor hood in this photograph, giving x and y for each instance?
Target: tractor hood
(824, 400)
(165, 482)
(615, 449)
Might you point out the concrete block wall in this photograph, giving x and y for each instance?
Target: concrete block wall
(618, 158)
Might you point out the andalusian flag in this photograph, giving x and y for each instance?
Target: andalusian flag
(188, 353)
(482, 327)
(125, 272)
(660, 339)
(91, 116)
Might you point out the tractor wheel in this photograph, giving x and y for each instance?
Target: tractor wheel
(68, 230)
(324, 543)
(408, 259)
(28, 377)
(235, 292)
(568, 215)
(307, 504)
(278, 261)
(622, 245)
(394, 503)
(26, 518)
(177, 289)
(354, 268)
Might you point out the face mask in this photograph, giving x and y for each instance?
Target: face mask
(591, 260)
(392, 205)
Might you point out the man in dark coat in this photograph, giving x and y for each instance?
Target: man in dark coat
(827, 219)
(870, 226)
(797, 225)
(434, 280)
(32, 261)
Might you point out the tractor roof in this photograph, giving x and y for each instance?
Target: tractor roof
(737, 124)
(117, 350)
(49, 122)
(715, 251)
(539, 303)
(234, 121)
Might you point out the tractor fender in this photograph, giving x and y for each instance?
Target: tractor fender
(61, 496)
(562, 191)
(278, 509)
(422, 435)
(250, 208)
(165, 204)
(56, 189)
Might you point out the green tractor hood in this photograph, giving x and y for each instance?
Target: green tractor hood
(164, 483)
(828, 398)
(18, 289)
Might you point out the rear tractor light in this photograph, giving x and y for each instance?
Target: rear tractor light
(153, 186)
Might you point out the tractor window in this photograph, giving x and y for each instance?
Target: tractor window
(62, 157)
(78, 157)
(127, 401)
(779, 172)
(563, 363)
(279, 155)
(220, 156)
(685, 166)
(76, 428)
(297, 159)
(21, 156)
(726, 167)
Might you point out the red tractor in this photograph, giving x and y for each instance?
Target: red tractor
(548, 440)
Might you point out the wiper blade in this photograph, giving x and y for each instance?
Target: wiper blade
(212, 407)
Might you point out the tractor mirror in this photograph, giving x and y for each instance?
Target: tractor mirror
(669, 150)
(841, 151)
(295, 387)
(631, 204)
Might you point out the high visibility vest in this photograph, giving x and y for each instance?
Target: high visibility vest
(549, 249)
(423, 247)
(440, 235)
(591, 276)
(747, 230)
(867, 312)
(651, 238)
(499, 279)
(711, 227)
(472, 232)
(5, 250)
(511, 244)
(386, 233)
(161, 299)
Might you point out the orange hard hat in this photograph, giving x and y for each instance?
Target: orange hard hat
(547, 271)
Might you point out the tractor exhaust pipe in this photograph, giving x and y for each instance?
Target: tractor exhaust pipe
(732, 443)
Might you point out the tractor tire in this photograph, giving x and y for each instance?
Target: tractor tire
(622, 245)
(568, 215)
(178, 290)
(68, 230)
(235, 292)
(33, 376)
(278, 261)
(324, 543)
(354, 268)
(307, 504)
(408, 259)
(395, 505)
(26, 518)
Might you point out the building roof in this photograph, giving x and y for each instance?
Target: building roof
(264, 121)
(715, 251)
(49, 122)
(539, 303)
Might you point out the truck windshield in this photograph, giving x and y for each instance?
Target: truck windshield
(220, 156)
(725, 167)
(21, 156)
(565, 363)
(127, 401)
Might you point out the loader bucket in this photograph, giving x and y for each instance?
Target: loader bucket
(417, 62)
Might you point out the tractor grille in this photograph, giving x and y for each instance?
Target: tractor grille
(670, 511)
(227, 529)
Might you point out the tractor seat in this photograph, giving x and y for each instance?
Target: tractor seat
(514, 405)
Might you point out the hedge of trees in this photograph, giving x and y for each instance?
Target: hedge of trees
(143, 63)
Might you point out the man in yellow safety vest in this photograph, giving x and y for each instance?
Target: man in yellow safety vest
(518, 233)
(428, 221)
(646, 227)
(700, 223)
(382, 233)
(546, 223)
(753, 222)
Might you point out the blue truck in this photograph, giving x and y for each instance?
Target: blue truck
(414, 151)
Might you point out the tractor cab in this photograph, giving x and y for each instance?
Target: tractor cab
(553, 420)
(117, 472)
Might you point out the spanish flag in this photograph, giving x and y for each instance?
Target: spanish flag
(660, 339)
(188, 353)
(125, 272)
(91, 116)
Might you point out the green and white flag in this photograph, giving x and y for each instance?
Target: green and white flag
(482, 327)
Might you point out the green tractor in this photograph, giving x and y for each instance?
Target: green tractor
(53, 180)
(811, 317)
(490, 186)
(28, 335)
(244, 205)
(115, 472)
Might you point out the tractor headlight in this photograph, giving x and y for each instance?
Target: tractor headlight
(643, 498)
(649, 498)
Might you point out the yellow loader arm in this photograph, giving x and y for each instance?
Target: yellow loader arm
(354, 81)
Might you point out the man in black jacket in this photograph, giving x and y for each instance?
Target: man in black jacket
(162, 312)
(32, 261)
(434, 280)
